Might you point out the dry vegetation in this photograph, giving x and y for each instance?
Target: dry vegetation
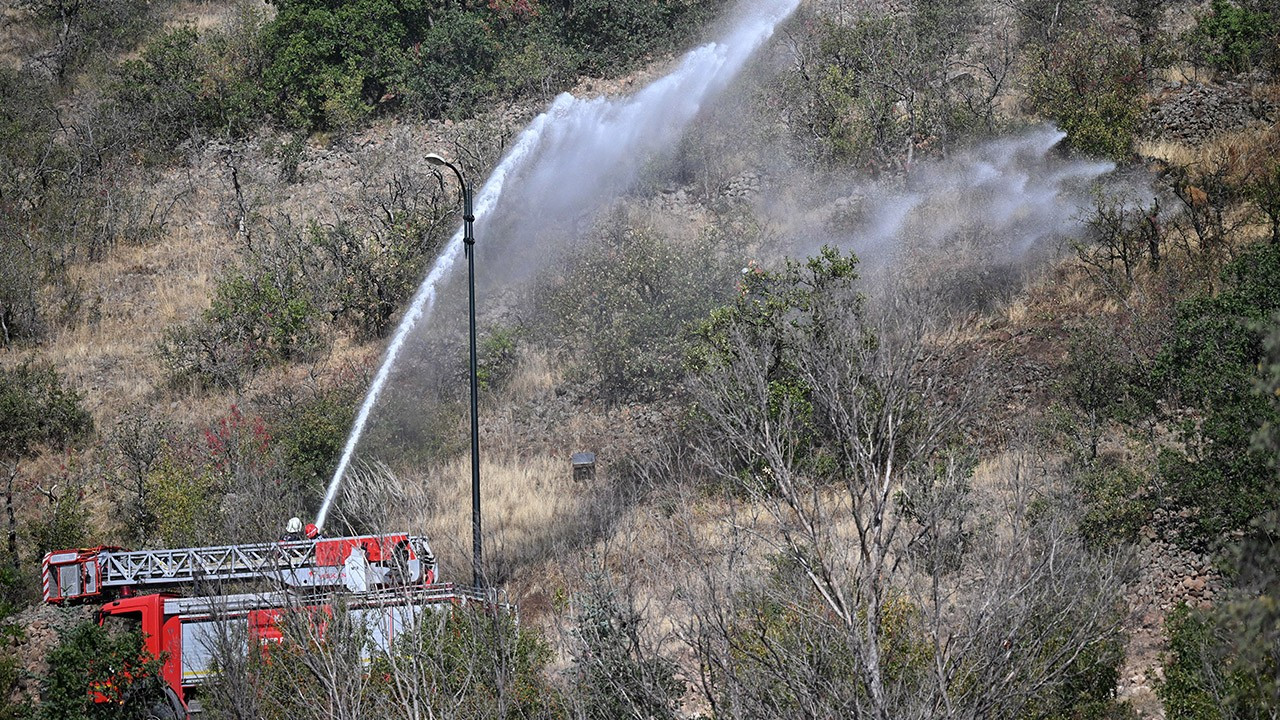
(739, 535)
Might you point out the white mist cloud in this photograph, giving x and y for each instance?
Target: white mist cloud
(1007, 201)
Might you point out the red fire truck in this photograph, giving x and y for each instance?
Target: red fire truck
(180, 602)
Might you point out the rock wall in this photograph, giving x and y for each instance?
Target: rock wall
(1195, 112)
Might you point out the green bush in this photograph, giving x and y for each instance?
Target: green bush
(458, 662)
(1118, 504)
(331, 62)
(36, 407)
(1187, 690)
(310, 430)
(360, 276)
(161, 91)
(91, 659)
(610, 33)
(62, 524)
(1087, 690)
(27, 151)
(1211, 368)
(1223, 663)
(496, 357)
(1090, 84)
(261, 315)
(185, 85)
(1235, 38)
(453, 67)
(624, 305)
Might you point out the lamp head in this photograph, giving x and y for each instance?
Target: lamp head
(436, 160)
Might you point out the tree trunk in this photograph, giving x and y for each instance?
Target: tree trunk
(11, 517)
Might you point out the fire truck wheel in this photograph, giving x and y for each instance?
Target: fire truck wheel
(168, 709)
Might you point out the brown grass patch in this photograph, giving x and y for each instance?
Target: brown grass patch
(531, 507)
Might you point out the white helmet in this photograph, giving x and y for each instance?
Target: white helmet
(294, 526)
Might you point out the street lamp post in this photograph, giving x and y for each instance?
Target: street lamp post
(469, 243)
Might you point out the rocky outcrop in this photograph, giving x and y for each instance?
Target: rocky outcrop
(1194, 112)
(29, 636)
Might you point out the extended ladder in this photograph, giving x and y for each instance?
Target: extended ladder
(358, 563)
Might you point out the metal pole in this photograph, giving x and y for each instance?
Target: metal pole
(469, 245)
(469, 242)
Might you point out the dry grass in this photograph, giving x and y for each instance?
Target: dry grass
(535, 376)
(1185, 72)
(1234, 155)
(206, 15)
(531, 507)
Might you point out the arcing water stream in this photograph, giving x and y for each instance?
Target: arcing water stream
(579, 153)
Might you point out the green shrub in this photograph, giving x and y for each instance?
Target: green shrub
(36, 407)
(452, 662)
(331, 62)
(261, 315)
(610, 33)
(27, 151)
(1118, 504)
(1211, 367)
(1223, 663)
(91, 659)
(453, 68)
(360, 276)
(496, 357)
(185, 85)
(310, 430)
(1186, 690)
(624, 305)
(1267, 439)
(182, 500)
(1090, 84)
(161, 91)
(1087, 690)
(62, 524)
(1235, 38)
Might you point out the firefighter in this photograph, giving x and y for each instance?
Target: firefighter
(292, 531)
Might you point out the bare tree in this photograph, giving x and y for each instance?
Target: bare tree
(891, 589)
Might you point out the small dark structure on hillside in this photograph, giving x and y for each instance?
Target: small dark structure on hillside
(584, 466)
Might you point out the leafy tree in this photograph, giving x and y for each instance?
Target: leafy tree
(875, 90)
(624, 304)
(613, 32)
(31, 165)
(453, 67)
(185, 85)
(310, 426)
